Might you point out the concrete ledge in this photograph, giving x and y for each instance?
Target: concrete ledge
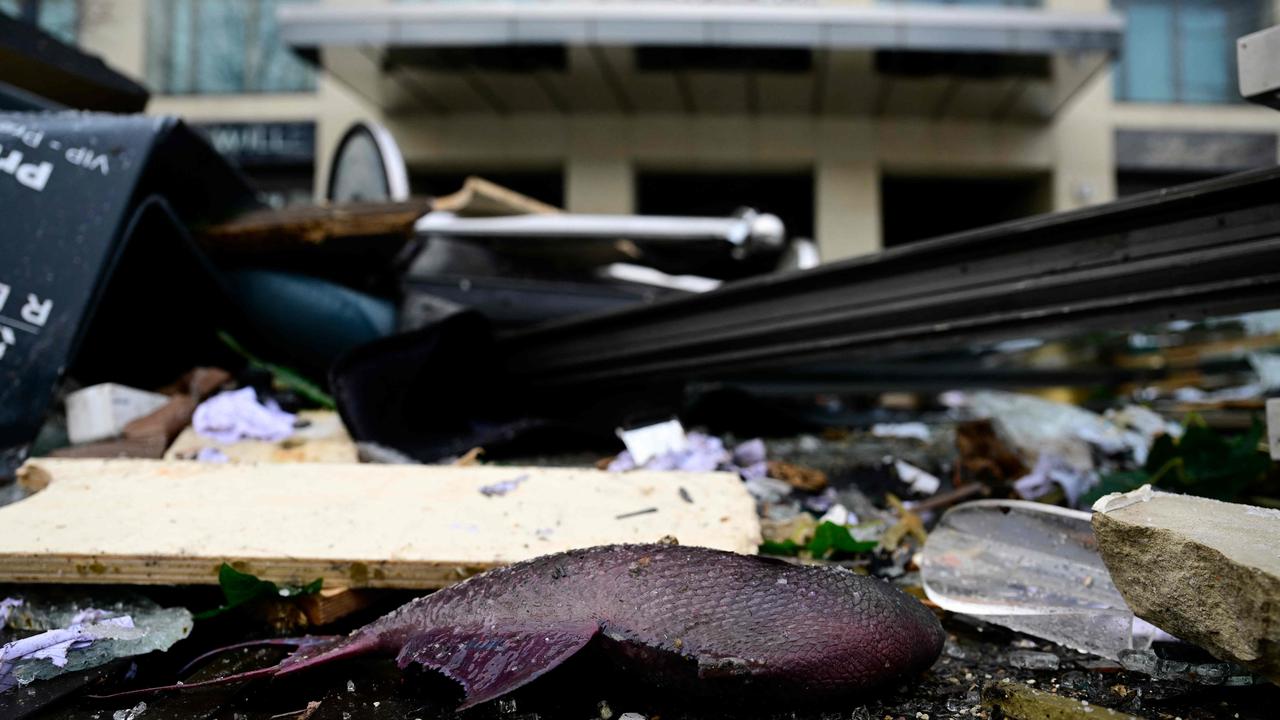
(1011, 30)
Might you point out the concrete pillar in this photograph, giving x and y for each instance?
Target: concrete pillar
(337, 107)
(846, 177)
(599, 185)
(117, 32)
(847, 212)
(599, 176)
(1083, 134)
(1084, 148)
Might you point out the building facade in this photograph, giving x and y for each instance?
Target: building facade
(864, 124)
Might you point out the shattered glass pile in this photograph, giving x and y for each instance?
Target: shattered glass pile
(70, 635)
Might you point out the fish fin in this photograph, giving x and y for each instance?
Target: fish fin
(301, 643)
(237, 677)
(312, 651)
(487, 662)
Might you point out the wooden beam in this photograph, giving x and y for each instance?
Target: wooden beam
(332, 604)
(141, 446)
(304, 225)
(388, 526)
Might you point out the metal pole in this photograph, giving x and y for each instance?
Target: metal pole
(749, 232)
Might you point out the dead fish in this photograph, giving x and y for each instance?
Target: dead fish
(703, 622)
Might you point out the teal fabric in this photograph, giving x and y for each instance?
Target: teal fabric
(309, 320)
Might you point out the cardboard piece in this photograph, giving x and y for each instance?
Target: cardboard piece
(101, 412)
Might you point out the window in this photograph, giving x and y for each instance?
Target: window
(1183, 50)
(660, 58)
(503, 59)
(956, 203)
(787, 194)
(59, 18)
(221, 46)
(961, 64)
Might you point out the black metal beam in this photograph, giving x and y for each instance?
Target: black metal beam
(1203, 249)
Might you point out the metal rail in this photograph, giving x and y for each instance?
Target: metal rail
(1202, 249)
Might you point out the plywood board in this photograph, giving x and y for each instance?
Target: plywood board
(322, 439)
(409, 526)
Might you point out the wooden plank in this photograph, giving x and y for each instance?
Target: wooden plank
(166, 422)
(143, 446)
(333, 604)
(407, 526)
(324, 439)
(314, 225)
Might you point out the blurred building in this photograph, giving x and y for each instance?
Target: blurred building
(865, 124)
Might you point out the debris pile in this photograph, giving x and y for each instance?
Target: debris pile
(335, 411)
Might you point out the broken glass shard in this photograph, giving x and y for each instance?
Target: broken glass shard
(1029, 567)
(1033, 660)
(132, 713)
(1204, 673)
(80, 631)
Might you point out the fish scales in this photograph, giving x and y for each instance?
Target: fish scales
(701, 621)
(776, 626)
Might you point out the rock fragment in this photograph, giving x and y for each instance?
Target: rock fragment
(1204, 570)
(1018, 702)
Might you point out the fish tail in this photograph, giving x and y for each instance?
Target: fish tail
(311, 651)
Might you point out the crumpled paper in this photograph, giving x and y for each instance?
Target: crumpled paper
(237, 415)
(212, 455)
(499, 489)
(6, 608)
(1052, 470)
(702, 453)
(1036, 426)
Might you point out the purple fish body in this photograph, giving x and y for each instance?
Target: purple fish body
(700, 621)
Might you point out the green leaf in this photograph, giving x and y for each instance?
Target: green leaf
(1163, 450)
(281, 375)
(1115, 483)
(788, 548)
(1202, 462)
(830, 539)
(239, 588)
